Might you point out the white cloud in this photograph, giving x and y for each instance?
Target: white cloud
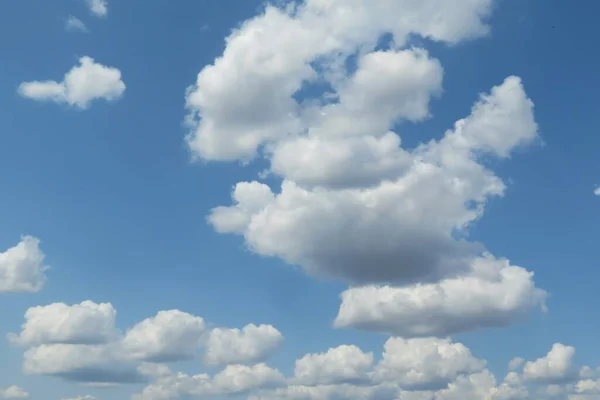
(22, 267)
(495, 294)
(169, 336)
(83, 84)
(343, 364)
(98, 8)
(515, 363)
(85, 397)
(245, 99)
(75, 24)
(233, 380)
(556, 367)
(597, 191)
(85, 323)
(400, 231)
(13, 392)
(249, 345)
(425, 364)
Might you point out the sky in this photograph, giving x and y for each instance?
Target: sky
(310, 200)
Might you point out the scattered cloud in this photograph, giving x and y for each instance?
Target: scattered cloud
(99, 8)
(74, 24)
(22, 267)
(83, 84)
(81, 342)
(13, 392)
(249, 345)
(556, 367)
(597, 191)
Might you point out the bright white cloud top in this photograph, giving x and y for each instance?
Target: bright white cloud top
(99, 8)
(83, 84)
(22, 267)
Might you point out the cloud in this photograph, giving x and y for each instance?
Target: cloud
(597, 191)
(86, 397)
(425, 364)
(493, 294)
(249, 345)
(22, 267)
(515, 363)
(233, 380)
(556, 367)
(245, 99)
(13, 392)
(99, 8)
(169, 336)
(83, 84)
(74, 24)
(85, 323)
(81, 343)
(343, 364)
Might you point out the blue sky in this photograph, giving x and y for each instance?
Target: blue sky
(119, 199)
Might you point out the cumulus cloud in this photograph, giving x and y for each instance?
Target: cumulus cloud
(98, 8)
(426, 364)
(556, 367)
(494, 294)
(22, 267)
(83, 84)
(343, 364)
(74, 24)
(169, 336)
(249, 345)
(13, 392)
(81, 343)
(85, 323)
(233, 380)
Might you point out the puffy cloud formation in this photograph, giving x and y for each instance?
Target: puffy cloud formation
(98, 8)
(83, 84)
(169, 336)
(494, 294)
(354, 205)
(249, 345)
(74, 24)
(425, 363)
(22, 267)
(344, 364)
(233, 380)
(13, 392)
(557, 366)
(85, 323)
(81, 342)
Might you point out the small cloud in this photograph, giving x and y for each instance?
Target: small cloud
(74, 24)
(597, 190)
(98, 7)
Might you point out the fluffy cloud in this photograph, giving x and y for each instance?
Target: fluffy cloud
(169, 336)
(83, 84)
(249, 345)
(98, 8)
(425, 363)
(233, 380)
(22, 267)
(81, 343)
(245, 99)
(556, 367)
(75, 24)
(13, 392)
(85, 323)
(494, 294)
(343, 364)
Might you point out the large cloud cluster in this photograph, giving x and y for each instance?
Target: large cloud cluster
(409, 369)
(355, 205)
(80, 342)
